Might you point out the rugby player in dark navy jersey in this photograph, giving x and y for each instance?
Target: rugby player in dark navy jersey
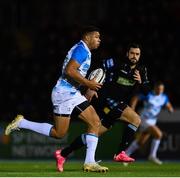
(123, 79)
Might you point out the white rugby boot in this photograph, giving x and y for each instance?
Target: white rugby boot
(94, 167)
(154, 160)
(14, 125)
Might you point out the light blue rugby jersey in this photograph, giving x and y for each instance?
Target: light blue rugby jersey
(152, 104)
(81, 53)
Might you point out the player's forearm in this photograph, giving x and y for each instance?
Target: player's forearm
(170, 108)
(74, 74)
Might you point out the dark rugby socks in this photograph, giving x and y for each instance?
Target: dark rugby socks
(78, 143)
(127, 136)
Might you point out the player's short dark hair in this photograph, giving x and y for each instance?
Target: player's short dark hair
(133, 45)
(88, 29)
(158, 83)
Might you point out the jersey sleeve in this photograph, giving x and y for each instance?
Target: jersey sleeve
(144, 76)
(108, 63)
(108, 66)
(145, 87)
(166, 99)
(79, 54)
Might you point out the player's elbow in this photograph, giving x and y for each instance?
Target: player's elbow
(69, 71)
(59, 135)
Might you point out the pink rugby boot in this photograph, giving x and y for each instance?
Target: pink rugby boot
(123, 157)
(60, 160)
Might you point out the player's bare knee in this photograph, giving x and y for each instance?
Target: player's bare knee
(159, 135)
(96, 123)
(131, 116)
(136, 120)
(60, 135)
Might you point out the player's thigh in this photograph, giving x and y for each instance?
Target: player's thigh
(155, 131)
(64, 103)
(121, 111)
(87, 113)
(129, 115)
(90, 117)
(61, 124)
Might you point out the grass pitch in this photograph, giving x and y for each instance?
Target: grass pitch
(74, 169)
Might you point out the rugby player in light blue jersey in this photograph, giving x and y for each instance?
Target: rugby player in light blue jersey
(67, 100)
(153, 103)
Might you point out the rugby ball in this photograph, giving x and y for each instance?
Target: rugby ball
(98, 75)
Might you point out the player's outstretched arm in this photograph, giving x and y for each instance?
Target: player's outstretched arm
(169, 107)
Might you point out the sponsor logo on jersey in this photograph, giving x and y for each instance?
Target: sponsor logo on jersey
(106, 110)
(125, 81)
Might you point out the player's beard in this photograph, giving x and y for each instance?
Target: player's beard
(132, 62)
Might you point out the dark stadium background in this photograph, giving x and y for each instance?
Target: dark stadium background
(35, 37)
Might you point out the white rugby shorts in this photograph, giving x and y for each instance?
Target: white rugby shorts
(147, 122)
(65, 100)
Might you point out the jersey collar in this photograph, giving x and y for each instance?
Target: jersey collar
(85, 45)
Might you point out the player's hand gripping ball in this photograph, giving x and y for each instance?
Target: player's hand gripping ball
(98, 75)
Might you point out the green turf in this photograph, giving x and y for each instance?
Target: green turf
(73, 169)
